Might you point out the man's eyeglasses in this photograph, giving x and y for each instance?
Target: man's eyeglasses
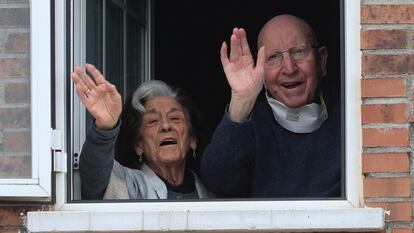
(297, 53)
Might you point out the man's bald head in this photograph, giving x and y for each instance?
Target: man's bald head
(286, 21)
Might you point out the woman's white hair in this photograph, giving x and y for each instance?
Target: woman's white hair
(149, 90)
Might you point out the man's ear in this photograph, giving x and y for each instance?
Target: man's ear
(323, 58)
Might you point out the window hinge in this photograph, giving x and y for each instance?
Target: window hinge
(56, 140)
(60, 162)
(59, 157)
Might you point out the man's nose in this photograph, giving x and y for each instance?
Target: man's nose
(288, 63)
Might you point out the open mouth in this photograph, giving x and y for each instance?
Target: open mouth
(168, 141)
(291, 85)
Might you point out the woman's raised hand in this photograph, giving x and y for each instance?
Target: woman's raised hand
(244, 77)
(99, 96)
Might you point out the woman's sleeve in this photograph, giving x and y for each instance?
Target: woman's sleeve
(96, 161)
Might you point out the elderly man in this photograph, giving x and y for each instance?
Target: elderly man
(288, 145)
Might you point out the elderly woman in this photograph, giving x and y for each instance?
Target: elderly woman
(156, 130)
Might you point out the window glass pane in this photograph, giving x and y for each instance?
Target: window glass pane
(114, 57)
(135, 55)
(138, 6)
(15, 128)
(116, 38)
(94, 27)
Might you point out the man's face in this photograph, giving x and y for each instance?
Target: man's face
(293, 82)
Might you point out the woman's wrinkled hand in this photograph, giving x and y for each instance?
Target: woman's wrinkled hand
(99, 96)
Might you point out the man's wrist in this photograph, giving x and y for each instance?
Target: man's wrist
(239, 111)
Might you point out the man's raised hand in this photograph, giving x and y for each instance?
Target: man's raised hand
(244, 77)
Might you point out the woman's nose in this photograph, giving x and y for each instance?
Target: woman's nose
(165, 125)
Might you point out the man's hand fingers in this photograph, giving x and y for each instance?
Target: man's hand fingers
(261, 58)
(235, 47)
(244, 44)
(223, 55)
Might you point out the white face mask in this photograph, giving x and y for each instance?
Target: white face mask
(304, 119)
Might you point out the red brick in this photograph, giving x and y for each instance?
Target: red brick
(382, 231)
(387, 187)
(385, 137)
(384, 39)
(17, 229)
(412, 114)
(402, 230)
(399, 211)
(384, 113)
(387, 162)
(18, 43)
(387, 14)
(17, 93)
(15, 166)
(386, 64)
(15, 17)
(412, 41)
(410, 63)
(14, 117)
(11, 215)
(383, 87)
(16, 142)
(14, 67)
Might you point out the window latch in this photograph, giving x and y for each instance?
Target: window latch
(59, 157)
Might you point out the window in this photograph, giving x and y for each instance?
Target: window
(215, 215)
(26, 166)
(178, 42)
(114, 36)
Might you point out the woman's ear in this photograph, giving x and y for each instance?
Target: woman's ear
(193, 143)
(138, 149)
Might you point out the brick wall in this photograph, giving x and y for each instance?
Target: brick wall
(14, 89)
(387, 109)
(14, 103)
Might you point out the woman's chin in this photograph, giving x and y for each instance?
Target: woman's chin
(170, 157)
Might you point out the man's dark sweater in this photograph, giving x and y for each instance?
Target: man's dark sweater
(259, 158)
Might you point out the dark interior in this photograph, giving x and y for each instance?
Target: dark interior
(188, 36)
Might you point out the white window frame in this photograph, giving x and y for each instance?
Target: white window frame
(349, 214)
(38, 186)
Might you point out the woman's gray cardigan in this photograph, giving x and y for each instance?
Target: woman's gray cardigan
(103, 177)
(127, 183)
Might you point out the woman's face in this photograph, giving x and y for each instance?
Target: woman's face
(164, 133)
